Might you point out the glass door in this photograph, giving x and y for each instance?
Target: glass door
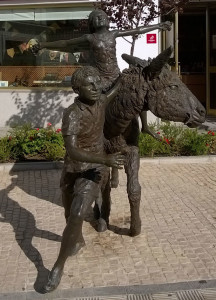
(192, 50)
(211, 61)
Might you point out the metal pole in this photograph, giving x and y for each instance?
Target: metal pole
(207, 61)
(176, 43)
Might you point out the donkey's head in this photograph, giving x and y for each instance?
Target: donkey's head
(167, 96)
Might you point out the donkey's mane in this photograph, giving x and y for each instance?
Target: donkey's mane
(133, 79)
(132, 70)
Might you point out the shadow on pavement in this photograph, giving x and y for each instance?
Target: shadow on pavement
(24, 226)
(23, 221)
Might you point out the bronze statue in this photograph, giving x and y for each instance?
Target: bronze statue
(106, 96)
(147, 86)
(102, 45)
(86, 166)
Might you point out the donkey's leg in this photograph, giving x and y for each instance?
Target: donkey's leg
(104, 208)
(145, 127)
(134, 189)
(114, 178)
(103, 221)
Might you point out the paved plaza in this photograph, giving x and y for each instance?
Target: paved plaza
(177, 243)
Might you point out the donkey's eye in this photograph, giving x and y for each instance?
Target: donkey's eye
(173, 86)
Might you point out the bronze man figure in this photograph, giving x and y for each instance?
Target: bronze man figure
(86, 166)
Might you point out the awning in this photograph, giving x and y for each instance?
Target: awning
(43, 14)
(34, 3)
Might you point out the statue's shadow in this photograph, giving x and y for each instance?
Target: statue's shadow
(24, 227)
(24, 224)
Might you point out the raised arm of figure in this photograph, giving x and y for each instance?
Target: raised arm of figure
(80, 42)
(144, 29)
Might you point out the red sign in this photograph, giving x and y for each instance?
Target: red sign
(151, 38)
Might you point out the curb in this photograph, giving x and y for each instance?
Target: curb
(191, 290)
(179, 159)
(28, 166)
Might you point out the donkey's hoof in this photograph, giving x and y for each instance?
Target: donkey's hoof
(102, 225)
(135, 230)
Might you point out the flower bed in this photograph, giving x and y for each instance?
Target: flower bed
(25, 143)
(177, 141)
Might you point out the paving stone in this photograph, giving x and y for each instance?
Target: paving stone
(177, 242)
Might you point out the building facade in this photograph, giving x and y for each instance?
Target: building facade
(36, 89)
(194, 40)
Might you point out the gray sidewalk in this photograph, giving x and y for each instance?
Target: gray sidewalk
(175, 251)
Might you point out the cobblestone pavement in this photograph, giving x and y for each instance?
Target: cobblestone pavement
(177, 243)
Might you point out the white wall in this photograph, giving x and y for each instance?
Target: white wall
(33, 106)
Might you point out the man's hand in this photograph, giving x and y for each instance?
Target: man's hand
(116, 160)
(34, 46)
(165, 25)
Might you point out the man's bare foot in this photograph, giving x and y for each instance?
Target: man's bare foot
(54, 279)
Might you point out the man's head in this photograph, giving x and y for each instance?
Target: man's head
(87, 83)
(97, 19)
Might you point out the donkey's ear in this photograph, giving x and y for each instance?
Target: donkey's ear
(157, 63)
(135, 61)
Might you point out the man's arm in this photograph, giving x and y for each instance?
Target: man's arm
(112, 160)
(144, 29)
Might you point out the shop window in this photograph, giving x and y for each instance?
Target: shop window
(19, 67)
(213, 38)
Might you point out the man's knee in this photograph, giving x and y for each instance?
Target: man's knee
(80, 205)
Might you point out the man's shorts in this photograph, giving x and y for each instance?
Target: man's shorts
(84, 188)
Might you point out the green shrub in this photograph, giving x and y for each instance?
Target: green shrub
(192, 142)
(170, 130)
(149, 146)
(34, 143)
(5, 149)
(177, 140)
(54, 151)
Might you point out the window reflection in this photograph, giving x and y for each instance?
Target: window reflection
(19, 67)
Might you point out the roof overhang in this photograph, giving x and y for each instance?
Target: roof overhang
(39, 3)
(202, 1)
